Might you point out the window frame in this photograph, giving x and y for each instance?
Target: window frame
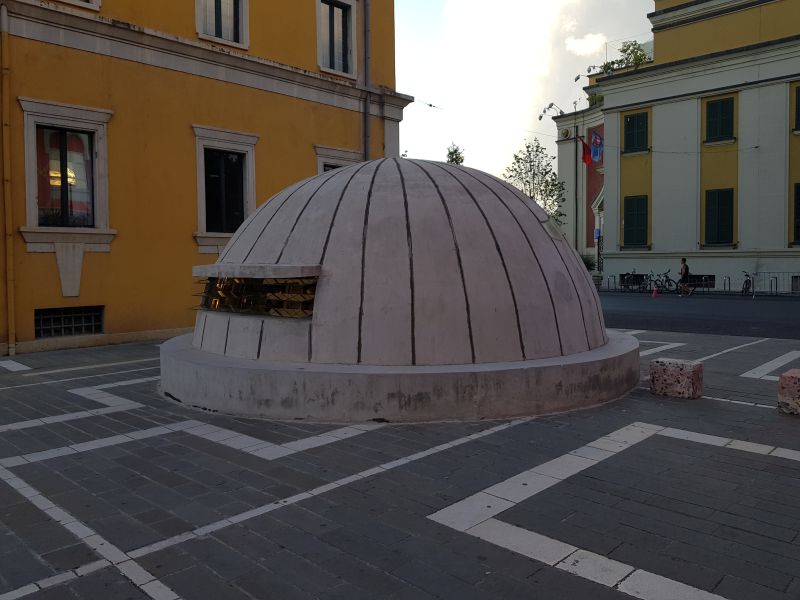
(39, 113)
(351, 39)
(721, 136)
(338, 157)
(636, 148)
(797, 108)
(87, 4)
(796, 225)
(626, 243)
(232, 141)
(244, 25)
(717, 243)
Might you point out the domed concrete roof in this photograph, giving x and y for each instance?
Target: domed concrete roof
(423, 263)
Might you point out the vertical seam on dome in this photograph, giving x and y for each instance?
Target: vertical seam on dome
(277, 210)
(300, 214)
(260, 340)
(458, 256)
(249, 221)
(364, 256)
(564, 262)
(499, 254)
(410, 242)
(336, 212)
(227, 333)
(356, 171)
(595, 298)
(533, 253)
(203, 332)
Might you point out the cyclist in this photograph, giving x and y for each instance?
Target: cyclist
(683, 283)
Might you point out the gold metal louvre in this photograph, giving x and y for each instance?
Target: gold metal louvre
(274, 297)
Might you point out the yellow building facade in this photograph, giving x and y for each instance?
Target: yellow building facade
(137, 136)
(702, 146)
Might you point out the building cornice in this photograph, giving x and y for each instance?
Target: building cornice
(81, 30)
(714, 74)
(699, 10)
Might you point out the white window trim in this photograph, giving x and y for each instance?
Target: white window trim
(353, 72)
(336, 156)
(244, 26)
(88, 4)
(93, 120)
(222, 139)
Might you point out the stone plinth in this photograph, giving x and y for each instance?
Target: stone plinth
(676, 378)
(789, 392)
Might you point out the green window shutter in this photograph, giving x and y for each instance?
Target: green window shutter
(797, 107)
(628, 133)
(711, 217)
(797, 211)
(719, 120)
(635, 132)
(726, 118)
(635, 212)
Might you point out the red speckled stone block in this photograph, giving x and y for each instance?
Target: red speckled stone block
(789, 392)
(676, 378)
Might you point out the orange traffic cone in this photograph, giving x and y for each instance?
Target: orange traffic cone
(655, 292)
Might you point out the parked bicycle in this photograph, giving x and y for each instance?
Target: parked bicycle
(664, 283)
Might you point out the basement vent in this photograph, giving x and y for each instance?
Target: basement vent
(59, 322)
(284, 297)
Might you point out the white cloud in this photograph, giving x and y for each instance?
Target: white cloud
(588, 45)
(569, 24)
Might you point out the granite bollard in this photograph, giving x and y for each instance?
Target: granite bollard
(676, 378)
(789, 392)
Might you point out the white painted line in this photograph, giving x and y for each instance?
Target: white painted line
(663, 348)
(87, 367)
(635, 331)
(650, 586)
(476, 514)
(710, 356)
(13, 366)
(762, 371)
(27, 385)
(769, 406)
(522, 541)
(131, 570)
(595, 567)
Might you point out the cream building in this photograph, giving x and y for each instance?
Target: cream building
(702, 145)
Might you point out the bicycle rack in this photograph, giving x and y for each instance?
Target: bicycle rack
(706, 287)
(775, 281)
(726, 283)
(608, 282)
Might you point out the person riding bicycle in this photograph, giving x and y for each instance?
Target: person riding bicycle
(683, 284)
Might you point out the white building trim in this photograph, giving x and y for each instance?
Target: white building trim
(337, 157)
(222, 139)
(695, 12)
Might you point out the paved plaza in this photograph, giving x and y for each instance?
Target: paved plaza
(109, 491)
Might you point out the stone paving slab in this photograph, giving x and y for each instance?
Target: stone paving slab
(207, 519)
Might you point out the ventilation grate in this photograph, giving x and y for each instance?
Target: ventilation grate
(289, 297)
(59, 322)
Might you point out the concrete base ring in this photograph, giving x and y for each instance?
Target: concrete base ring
(349, 393)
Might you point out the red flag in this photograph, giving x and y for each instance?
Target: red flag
(587, 152)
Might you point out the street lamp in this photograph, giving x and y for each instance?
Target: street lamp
(550, 106)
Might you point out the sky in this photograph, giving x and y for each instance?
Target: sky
(489, 68)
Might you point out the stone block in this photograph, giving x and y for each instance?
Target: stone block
(676, 378)
(789, 392)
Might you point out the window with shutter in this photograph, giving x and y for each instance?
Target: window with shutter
(635, 221)
(719, 120)
(636, 132)
(719, 217)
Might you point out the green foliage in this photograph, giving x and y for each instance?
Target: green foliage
(589, 261)
(595, 99)
(633, 56)
(531, 170)
(455, 155)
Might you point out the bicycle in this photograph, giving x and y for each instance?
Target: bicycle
(665, 283)
(747, 284)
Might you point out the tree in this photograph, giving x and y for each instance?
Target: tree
(633, 55)
(455, 155)
(531, 170)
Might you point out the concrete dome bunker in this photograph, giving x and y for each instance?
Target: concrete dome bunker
(402, 290)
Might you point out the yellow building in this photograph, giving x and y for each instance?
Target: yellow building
(137, 136)
(702, 145)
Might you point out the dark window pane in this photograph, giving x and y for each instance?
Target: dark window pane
(797, 212)
(335, 36)
(719, 217)
(222, 19)
(224, 190)
(719, 120)
(636, 132)
(635, 221)
(64, 177)
(797, 107)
